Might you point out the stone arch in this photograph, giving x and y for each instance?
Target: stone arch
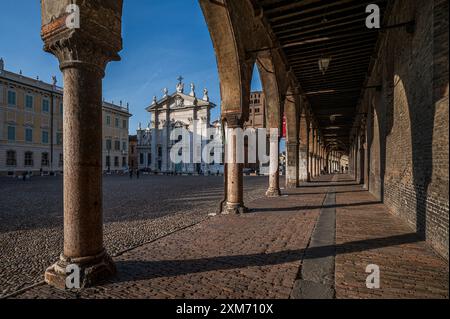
(235, 66)
(271, 88)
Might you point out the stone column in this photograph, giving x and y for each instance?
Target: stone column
(333, 162)
(303, 161)
(83, 54)
(336, 161)
(355, 159)
(321, 160)
(292, 165)
(165, 165)
(235, 186)
(274, 168)
(313, 154)
(316, 157)
(362, 155)
(154, 141)
(310, 166)
(366, 163)
(329, 163)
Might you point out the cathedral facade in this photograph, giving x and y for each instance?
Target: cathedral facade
(181, 111)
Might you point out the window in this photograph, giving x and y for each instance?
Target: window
(117, 122)
(124, 146)
(116, 161)
(11, 133)
(117, 145)
(11, 159)
(108, 162)
(141, 158)
(132, 149)
(44, 137)
(149, 159)
(59, 138)
(124, 161)
(108, 120)
(11, 98)
(29, 102)
(29, 135)
(44, 159)
(124, 123)
(61, 159)
(61, 108)
(108, 144)
(159, 151)
(28, 159)
(45, 106)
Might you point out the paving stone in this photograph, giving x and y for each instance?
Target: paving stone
(260, 254)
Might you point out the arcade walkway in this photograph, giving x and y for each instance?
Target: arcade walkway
(314, 243)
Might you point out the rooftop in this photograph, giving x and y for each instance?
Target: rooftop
(53, 88)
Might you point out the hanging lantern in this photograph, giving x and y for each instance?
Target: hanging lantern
(324, 63)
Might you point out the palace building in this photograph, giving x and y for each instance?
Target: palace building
(31, 127)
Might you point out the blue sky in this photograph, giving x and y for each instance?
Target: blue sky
(161, 39)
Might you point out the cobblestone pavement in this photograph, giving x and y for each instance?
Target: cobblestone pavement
(135, 212)
(256, 255)
(260, 254)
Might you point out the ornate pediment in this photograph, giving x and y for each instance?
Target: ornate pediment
(178, 101)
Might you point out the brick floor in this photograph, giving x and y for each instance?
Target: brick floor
(366, 233)
(258, 255)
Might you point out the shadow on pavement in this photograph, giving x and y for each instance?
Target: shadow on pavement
(132, 270)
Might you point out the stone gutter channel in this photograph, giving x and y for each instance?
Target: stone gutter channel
(316, 276)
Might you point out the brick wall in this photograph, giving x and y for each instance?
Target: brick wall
(409, 120)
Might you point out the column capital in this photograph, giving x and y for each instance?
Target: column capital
(234, 120)
(82, 33)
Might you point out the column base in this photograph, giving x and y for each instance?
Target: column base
(273, 192)
(292, 184)
(234, 208)
(92, 270)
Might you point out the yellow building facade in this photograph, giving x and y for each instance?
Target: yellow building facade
(31, 127)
